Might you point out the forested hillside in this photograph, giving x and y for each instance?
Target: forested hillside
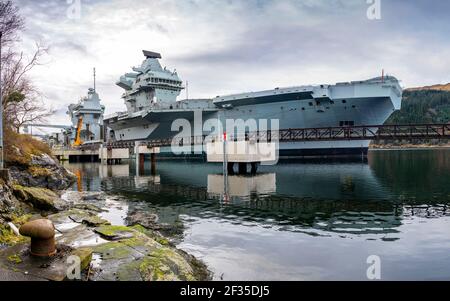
(423, 106)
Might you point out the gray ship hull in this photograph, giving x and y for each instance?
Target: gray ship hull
(154, 113)
(358, 103)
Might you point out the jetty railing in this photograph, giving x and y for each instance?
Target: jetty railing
(345, 133)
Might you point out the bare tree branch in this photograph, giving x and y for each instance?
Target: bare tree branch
(10, 22)
(21, 99)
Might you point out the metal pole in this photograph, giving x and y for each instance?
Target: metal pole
(102, 159)
(225, 167)
(136, 152)
(2, 165)
(225, 154)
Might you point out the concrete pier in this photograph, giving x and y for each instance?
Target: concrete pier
(99, 154)
(76, 155)
(245, 154)
(140, 151)
(109, 155)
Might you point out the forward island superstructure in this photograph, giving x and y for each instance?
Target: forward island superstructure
(87, 119)
(151, 94)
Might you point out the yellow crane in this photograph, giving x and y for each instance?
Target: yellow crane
(78, 141)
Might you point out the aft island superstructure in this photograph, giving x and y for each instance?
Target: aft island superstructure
(151, 94)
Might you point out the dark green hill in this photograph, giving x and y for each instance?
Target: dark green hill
(423, 106)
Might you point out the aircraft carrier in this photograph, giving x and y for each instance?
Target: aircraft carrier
(151, 94)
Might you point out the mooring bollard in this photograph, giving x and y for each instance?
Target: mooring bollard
(42, 234)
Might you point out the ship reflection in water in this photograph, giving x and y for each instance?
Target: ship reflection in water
(241, 187)
(300, 220)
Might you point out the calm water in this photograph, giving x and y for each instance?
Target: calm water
(297, 220)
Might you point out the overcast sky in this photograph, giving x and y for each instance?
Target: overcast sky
(225, 46)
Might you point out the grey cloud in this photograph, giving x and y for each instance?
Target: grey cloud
(71, 46)
(343, 37)
(158, 27)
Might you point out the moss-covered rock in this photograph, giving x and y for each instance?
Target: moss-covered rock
(129, 272)
(115, 232)
(20, 149)
(152, 234)
(88, 218)
(95, 221)
(51, 177)
(85, 255)
(165, 264)
(15, 259)
(31, 163)
(150, 221)
(113, 250)
(7, 236)
(20, 220)
(39, 198)
(88, 207)
(9, 204)
(72, 215)
(139, 256)
(39, 171)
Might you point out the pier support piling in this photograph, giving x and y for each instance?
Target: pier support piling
(140, 151)
(153, 162)
(230, 168)
(242, 168)
(138, 158)
(141, 164)
(102, 158)
(254, 168)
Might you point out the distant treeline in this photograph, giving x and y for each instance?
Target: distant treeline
(423, 106)
(420, 106)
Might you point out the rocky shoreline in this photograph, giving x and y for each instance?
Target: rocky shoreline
(410, 145)
(111, 244)
(407, 146)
